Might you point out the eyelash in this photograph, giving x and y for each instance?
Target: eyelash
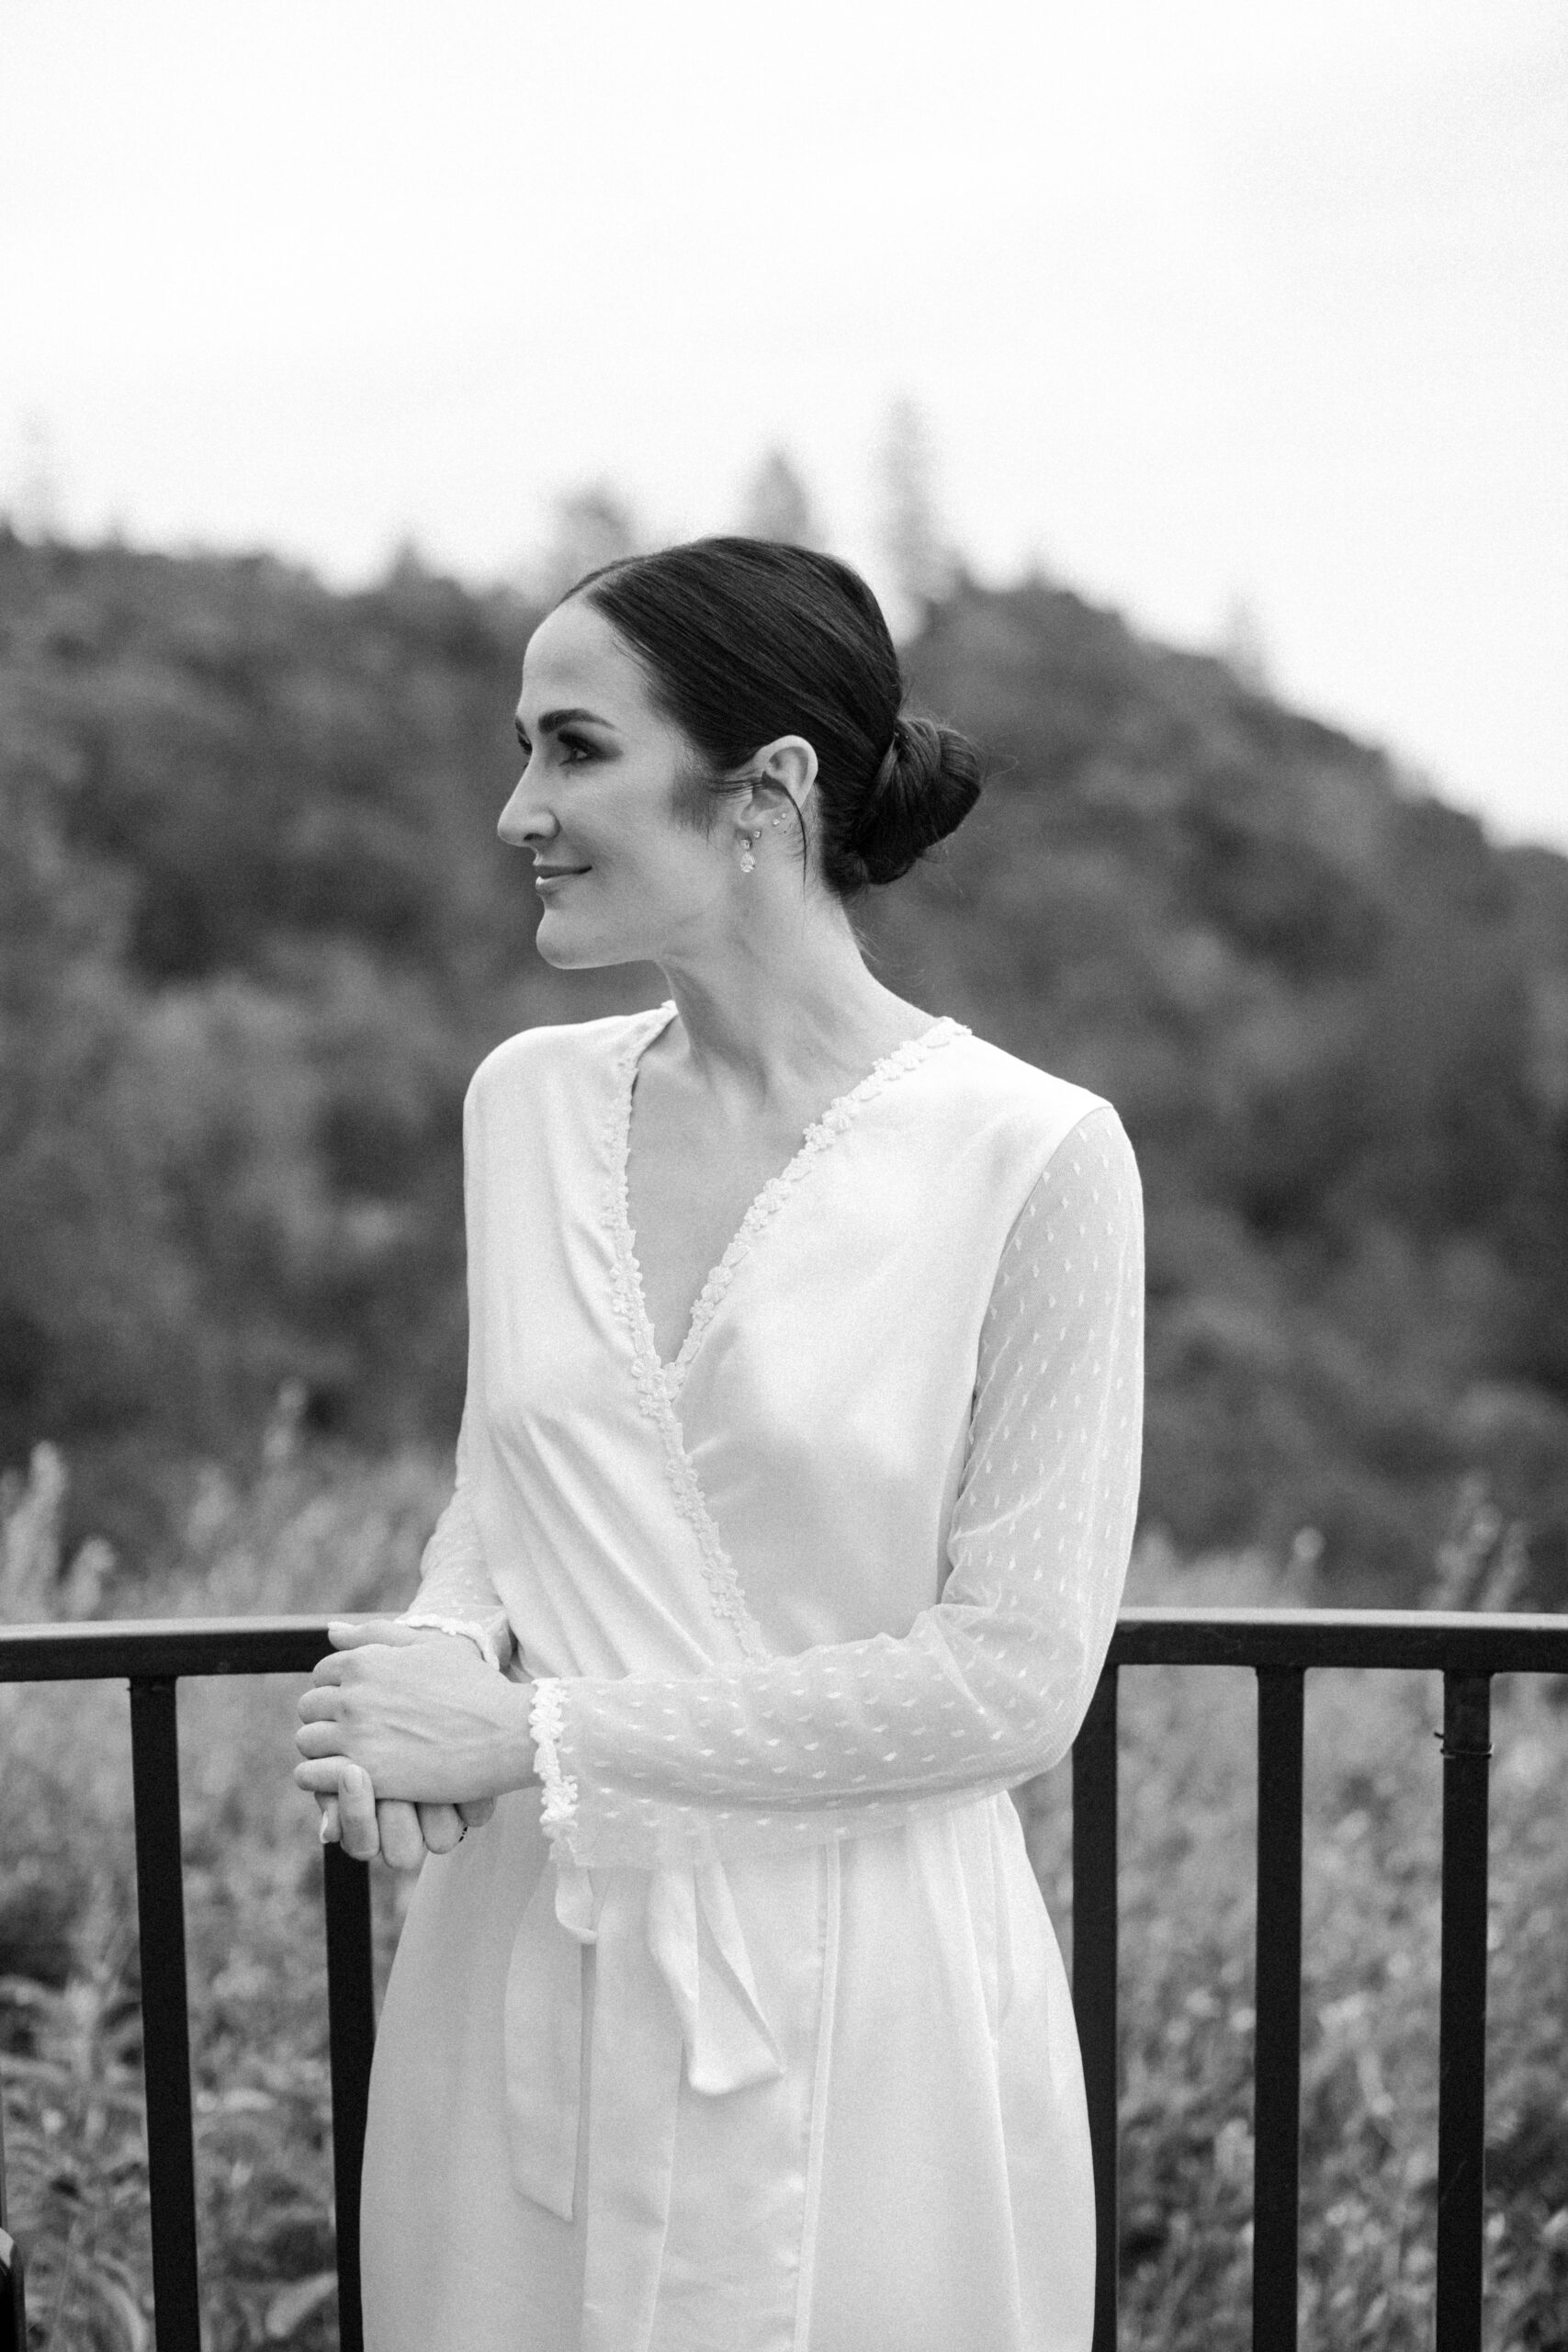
(567, 742)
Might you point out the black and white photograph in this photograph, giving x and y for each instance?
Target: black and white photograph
(784, 1177)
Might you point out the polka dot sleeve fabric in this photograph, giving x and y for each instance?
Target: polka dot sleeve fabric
(990, 1684)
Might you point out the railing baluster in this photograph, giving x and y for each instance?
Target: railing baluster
(1461, 2030)
(12, 2304)
(165, 2031)
(351, 2011)
(1277, 1982)
(13, 2301)
(1094, 1977)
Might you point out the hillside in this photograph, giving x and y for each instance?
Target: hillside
(255, 930)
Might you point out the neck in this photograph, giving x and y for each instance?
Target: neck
(783, 1003)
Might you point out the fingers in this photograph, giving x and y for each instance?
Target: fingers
(440, 1827)
(319, 1703)
(402, 1840)
(356, 1812)
(385, 1630)
(317, 1740)
(349, 1803)
(476, 1815)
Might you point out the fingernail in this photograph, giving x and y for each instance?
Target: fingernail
(326, 1832)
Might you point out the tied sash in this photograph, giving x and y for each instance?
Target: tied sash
(674, 1993)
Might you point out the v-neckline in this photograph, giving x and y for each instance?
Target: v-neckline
(838, 1114)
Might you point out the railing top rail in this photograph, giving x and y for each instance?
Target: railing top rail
(1465, 1643)
(154, 1647)
(1455, 1642)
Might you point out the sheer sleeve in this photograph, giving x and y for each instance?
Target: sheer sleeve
(991, 1683)
(456, 1593)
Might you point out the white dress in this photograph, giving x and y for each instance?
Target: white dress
(748, 2031)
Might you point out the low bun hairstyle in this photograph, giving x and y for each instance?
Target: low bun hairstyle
(928, 782)
(743, 640)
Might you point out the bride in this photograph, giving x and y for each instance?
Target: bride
(794, 1491)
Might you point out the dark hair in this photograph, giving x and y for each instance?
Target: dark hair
(747, 639)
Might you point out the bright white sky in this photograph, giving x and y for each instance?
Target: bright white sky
(1257, 298)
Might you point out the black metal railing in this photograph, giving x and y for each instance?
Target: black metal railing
(1281, 1646)
(156, 1657)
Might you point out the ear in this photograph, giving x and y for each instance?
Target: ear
(782, 773)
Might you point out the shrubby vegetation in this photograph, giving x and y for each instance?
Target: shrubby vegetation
(309, 1533)
(255, 932)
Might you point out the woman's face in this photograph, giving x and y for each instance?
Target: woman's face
(597, 797)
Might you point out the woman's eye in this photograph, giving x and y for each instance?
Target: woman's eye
(571, 750)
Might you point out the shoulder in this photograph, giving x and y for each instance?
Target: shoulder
(537, 1062)
(1029, 1112)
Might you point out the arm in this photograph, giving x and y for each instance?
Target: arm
(455, 1595)
(990, 1684)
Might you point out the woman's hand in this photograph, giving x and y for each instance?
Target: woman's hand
(423, 1719)
(406, 1832)
(349, 1815)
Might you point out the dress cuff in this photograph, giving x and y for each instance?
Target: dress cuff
(558, 1814)
(479, 1634)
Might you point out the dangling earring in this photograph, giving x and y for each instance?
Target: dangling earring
(747, 863)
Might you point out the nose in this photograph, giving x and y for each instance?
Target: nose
(520, 821)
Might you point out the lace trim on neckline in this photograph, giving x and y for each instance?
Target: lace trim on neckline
(658, 1384)
(838, 1114)
(653, 1391)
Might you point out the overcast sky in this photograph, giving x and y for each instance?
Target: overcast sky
(1218, 301)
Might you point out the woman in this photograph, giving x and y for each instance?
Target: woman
(795, 1491)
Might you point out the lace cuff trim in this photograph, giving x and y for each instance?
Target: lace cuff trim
(479, 1635)
(558, 1814)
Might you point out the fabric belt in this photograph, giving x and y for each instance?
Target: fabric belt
(673, 1993)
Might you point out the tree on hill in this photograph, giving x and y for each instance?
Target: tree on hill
(779, 505)
(590, 528)
(256, 932)
(922, 562)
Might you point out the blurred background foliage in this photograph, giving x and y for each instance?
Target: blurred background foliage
(256, 930)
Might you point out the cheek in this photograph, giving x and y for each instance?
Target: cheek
(653, 853)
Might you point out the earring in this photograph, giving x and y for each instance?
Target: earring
(747, 863)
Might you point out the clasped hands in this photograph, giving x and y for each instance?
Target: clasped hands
(408, 1739)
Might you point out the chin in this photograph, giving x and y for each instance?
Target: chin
(565, 950)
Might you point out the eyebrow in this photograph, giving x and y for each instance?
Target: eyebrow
(552, 719)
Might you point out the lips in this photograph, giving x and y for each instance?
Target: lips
(557, 873)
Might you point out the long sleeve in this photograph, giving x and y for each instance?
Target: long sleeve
(991, 1683)
(456, 1594)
